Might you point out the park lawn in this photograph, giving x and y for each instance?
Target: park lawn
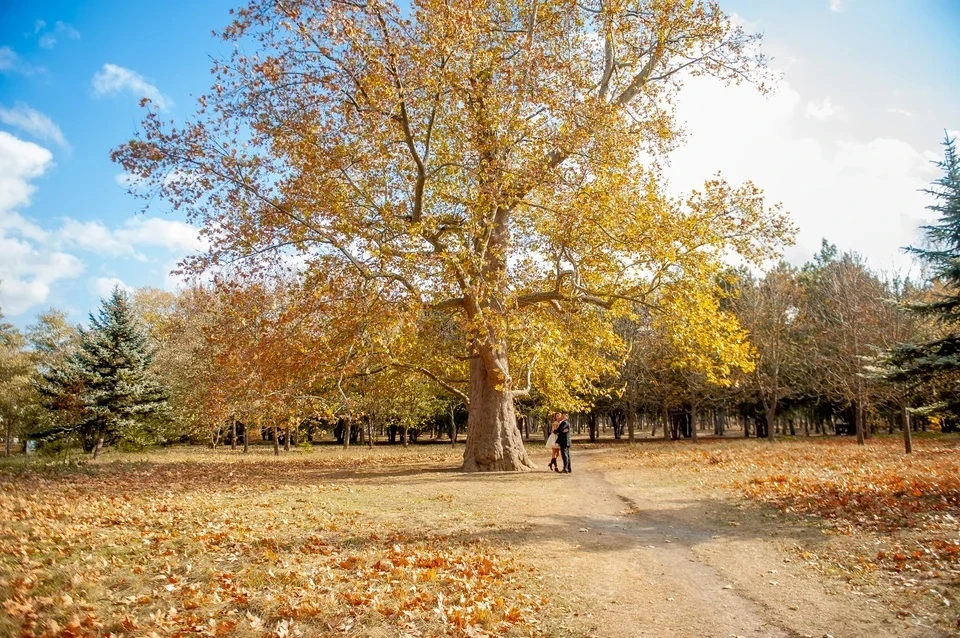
(192, 542)
(893, 519)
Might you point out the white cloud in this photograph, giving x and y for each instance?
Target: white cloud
(103, 286)
(902, 112)
(95, 237)
(33, 122)
(824, 110)
(113, 79)
(26, 271)
(126, 180)
(10, 62)
(861, 195)
(49, 38)
(20, 162)
(173, 235)
(836, 5)
(13, 221)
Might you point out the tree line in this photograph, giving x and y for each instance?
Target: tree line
(832, 347)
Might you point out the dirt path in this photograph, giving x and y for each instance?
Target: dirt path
(649, 558)
(636, 553)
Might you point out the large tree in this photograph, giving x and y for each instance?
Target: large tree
(492, 162)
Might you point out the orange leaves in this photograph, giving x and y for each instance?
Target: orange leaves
(193, 543)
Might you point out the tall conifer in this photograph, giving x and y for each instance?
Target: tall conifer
(107, 381)
(937, 361)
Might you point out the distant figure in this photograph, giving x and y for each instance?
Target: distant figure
(562, 429)
(554, 448)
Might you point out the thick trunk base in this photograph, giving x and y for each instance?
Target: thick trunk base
(494, 443)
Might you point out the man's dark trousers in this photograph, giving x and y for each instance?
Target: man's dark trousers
(565, 454)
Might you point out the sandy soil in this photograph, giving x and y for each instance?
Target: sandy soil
(636, 553)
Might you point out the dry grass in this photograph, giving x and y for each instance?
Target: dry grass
(189, 542)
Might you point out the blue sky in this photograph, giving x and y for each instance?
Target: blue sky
(867, 88)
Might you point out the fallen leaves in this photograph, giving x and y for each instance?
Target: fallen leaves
(269, 548)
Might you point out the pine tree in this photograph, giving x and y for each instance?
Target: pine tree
(936, 362)
(106, 384)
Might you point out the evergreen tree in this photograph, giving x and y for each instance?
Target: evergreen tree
(937, 362)
(106, 385)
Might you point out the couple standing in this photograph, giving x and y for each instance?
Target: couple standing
(559, 442)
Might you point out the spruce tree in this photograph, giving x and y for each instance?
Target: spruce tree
(936, 362)
(107, 383)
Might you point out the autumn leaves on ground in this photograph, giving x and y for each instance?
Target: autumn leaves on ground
(396, 542)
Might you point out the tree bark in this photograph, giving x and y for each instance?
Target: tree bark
(346, 433)
(907, 438)
(493, 441)
(666, 424)
(286, 438)
(771, 411)
(99, 446)
(233, 434)
(9, 437)
(858, 419)
(453, 427)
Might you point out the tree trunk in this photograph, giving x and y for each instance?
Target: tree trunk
(694, 420)
(246, 437)
(99, 447)
(666, 424)
(276, 440)
(453, 427)
(9, 437)
(233, 434)
(770, 409)
(858, 419)
(592, 423)
(907, 438)
(631, 420)
(493, 441)
(346, 433)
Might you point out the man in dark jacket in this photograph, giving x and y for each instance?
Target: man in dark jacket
(562, 429)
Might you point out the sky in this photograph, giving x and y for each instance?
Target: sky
(865, 91)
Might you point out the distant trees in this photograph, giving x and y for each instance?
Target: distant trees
(812, 337)
(16, 391)
(769, 310)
